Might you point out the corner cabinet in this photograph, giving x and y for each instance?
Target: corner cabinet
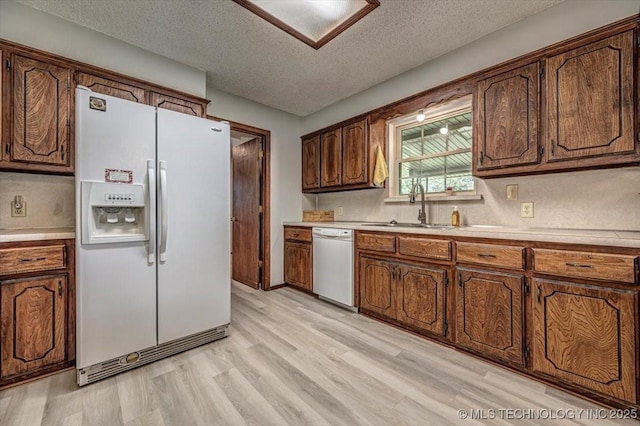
(338, 158)
(40, 137)
(37, 309)
(589, 96)
(298, 258)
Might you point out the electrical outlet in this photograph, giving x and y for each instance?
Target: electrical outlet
(21, 212)
(339, 212)
(512, 192)
(526, 209)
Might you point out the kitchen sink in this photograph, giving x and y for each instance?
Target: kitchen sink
(394, 224)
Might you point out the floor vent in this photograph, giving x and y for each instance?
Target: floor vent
(99, 371)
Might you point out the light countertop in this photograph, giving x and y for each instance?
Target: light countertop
(36, 234)
(598, 237)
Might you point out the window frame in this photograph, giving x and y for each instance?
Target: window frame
(394, 128)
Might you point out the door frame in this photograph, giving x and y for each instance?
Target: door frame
(265, 195)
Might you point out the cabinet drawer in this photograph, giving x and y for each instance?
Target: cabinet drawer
(298, 234)
(598, 266)
(424, 247)
(491, 254)
(377, 242)
(29, 259)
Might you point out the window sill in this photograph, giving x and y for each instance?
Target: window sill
(440, 198)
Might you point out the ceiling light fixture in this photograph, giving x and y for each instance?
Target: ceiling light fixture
(314, 22)
(420, 116)
(444, 130)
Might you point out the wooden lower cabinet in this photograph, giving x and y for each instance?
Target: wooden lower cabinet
(377, 286)
(586, 336)
(489, 314)
(298, 264)
(33, 324)
(410, 294)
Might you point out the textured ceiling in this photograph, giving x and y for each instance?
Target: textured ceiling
(244, 55)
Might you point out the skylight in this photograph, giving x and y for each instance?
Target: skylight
(314, 22)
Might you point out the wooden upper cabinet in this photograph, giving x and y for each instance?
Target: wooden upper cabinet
(32, 324)
(176, 104)
(586, 336)
(311, 163)
(354, 153)
(331, 158)
(590, 100)
(489, 314)
(111, 87)
(506, 108)
(41, 116)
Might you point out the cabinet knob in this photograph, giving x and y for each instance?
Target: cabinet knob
(59, 289)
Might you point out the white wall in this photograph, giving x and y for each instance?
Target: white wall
(286, 202)
(606, 199)
(33, 28)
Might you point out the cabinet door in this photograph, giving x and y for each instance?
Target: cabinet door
(489, 317)
(331, 158)
(354, 153)
(590, 103)
(586, 336)
(32, 324)
(421, 298)
(111, 87)
(297, 265)
(311, 163)
(507, 118)
(377, 286)
(41, 113)
(176, 104)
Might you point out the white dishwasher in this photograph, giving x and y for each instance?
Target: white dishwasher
(333, 265)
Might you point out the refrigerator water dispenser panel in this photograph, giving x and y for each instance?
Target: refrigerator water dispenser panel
(113, 213)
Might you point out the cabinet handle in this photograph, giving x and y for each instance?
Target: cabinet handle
(493, 256)
(33, 259)
(553, 147)
(578, 265)
(481, 157)
(59, 289)
(538, 292)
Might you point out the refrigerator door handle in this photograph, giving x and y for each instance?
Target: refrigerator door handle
(163, 211)
(151, 173)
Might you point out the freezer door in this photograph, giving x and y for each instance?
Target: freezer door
(116, 283)
(194, 280)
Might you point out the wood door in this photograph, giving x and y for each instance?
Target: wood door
(41, 114)
(311, 163)
(377, 286)
(32, 324)
(354, 153)
(586, 336)
(111, 87)
(331, 159)
(298, 264)
(247, 167)
(489, 314)
(507, 118)
(421, 298)
(176, 104)
(590, 100)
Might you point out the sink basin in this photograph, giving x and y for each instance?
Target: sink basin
(410, 225)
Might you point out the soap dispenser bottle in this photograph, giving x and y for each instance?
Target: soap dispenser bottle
(455, 216)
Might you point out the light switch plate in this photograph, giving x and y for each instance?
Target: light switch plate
(526, 209)
(512, 192)
(339, 212)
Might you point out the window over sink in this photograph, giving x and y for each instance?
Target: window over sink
(435, 152)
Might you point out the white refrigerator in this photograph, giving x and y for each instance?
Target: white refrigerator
(152, 233)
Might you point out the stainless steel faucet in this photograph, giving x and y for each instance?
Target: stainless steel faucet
(422, 213)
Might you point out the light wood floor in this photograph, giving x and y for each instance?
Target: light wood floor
(291, 359)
